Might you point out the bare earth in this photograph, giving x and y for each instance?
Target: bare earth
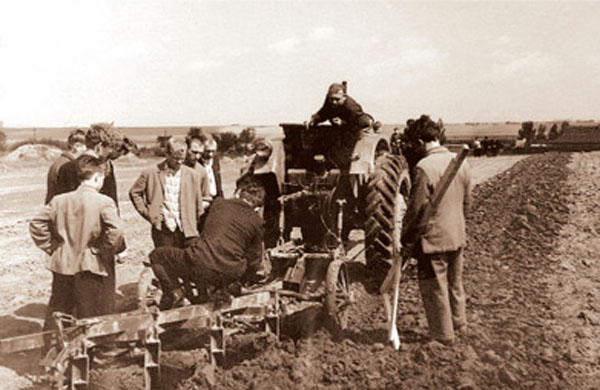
(565, 301)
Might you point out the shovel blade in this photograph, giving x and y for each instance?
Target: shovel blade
(394, 338)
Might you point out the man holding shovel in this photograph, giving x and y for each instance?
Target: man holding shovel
(436, 238)
(433, 232)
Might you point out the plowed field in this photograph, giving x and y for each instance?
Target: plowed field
(531, 277)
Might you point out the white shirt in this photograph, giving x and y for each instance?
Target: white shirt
(170, 210)
(212, 181)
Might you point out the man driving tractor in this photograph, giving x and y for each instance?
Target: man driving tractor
(348, 120)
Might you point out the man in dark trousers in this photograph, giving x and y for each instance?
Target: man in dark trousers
(81, 232)
(348, 119)
(439, 249)
(229, 248)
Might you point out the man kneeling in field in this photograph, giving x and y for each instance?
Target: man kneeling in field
(229, 248)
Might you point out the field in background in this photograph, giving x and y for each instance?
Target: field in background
(146, 136)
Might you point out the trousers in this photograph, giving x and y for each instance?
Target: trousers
(442, 292)
(170, 264)
(83, 295)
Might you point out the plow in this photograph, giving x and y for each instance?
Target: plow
(300, 279)
(306, 193)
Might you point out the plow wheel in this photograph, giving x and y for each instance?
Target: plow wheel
(387, 193)
(339, 296)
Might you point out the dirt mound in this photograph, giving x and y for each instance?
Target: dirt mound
(130, 159)
(32, 153)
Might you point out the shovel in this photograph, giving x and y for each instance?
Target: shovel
(392, 316)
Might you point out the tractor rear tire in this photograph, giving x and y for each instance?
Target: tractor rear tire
(387, 193)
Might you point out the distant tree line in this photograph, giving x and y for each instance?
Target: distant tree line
(228, 142)
(530, 134)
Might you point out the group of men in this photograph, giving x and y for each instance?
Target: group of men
(202, 237)
(80, 229)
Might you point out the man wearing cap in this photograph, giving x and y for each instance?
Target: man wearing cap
(347, 116)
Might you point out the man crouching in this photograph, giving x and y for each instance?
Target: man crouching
(229, 248)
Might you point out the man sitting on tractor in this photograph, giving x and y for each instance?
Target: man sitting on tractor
(229, 248)
(348, 119)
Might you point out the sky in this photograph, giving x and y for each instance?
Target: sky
(191, 62)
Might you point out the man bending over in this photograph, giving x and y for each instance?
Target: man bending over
(228, 249)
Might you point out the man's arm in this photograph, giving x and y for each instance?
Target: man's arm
(138, 197)
(199, 198)
(40, 229)
(112, 229)
(254, 251)
(322, 115)
(356, 114)
(419, 197)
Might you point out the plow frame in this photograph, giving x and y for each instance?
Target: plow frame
(69, 360)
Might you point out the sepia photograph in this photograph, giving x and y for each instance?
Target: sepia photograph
(278, 194)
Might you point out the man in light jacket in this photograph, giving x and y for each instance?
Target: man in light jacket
(439, 248)
(168, 196)
(81, 232)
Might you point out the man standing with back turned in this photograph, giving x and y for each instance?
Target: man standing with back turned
(439, 249)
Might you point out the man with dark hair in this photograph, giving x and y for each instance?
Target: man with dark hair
(104, 141)
(195, 150)
(229, 248)
(81, 232)
(76, 143)
(348, 120)
(210, 162)
(438, 249)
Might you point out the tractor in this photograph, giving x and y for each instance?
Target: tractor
(313, 202)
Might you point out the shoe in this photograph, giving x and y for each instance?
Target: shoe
(462, 331)
(173, 300)
(437, 343)
(179, 300)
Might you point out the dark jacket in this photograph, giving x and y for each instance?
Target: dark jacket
(350, 112)
(67, 180)
(231, 241)
(445, 231)
(52, 180)
(216, 167)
